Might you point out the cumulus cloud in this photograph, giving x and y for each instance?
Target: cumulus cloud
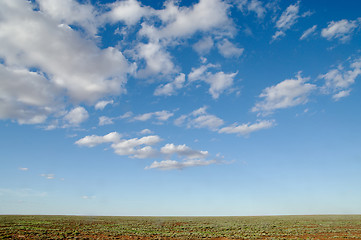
(180, 22)
(55, 63)
(158, 61)
(71, 12)
(341, 30)
(159, 115)
(172, 164)
(76, 116)
(288, 93)
(252, 6)
(72, 63)
(104, 120)
(200, 119)
(308, 32)
(102, 104)
(143, 148)
(26, 96)
(247, 128)
(204, 45)
(145, 131)
(183, 150)
(287, 19)
(228, 49)
(338, 81)
(218, 81)
(170, 88)
(94, 140)
(137, 147)
(128, 11)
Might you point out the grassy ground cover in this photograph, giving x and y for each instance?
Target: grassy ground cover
(269, 227)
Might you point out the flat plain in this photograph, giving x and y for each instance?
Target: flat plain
(262, 227)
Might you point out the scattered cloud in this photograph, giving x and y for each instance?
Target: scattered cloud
(71, 12)
(247, 128)
(172, 164)
(204, 45)
(218, 81)
(228, 49)
(82, 70)
(146, 131)
(339, 80)
(341, 30)
(23, 169)
(103, 120)
(288, 18)
(183, 150)
(159, 115)
(308, 32)
(288, 93)
(94, 140)
(76, 116)
(255, 6)
(48, 175)
(128, 11)
(171, 87)
(158, 61)
(200, 119)
(142, 148)
(102, 104)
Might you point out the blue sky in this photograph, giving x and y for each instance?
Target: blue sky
(210, 107)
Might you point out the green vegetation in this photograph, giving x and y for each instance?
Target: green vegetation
(270, 227)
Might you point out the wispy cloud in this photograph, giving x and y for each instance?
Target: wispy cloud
(288, 93)
(308, 32)
(341, 30)
(338, 81)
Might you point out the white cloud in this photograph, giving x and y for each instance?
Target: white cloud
(172, 164)
(158, 61)
(338, 81)
(183, 150)
(341, 30)
(134, 148)
(23, 169)
(71, 12)
(48, 175)
(142, 148)
(159, 115)
(26, 96)
(137, 147)
(104, 120)
(247, 128)
(145, 131)
(128, 11)
(204, 45)
(171, 87)
(308, 32)
(218, 82)
(200, 119)
(288, 18)
(76, 116)
(71, 62)
(228, 49)
(341, 94)
(102, 104)
(288, 93)
(94, 140)
(206, 15)
(252, 6)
